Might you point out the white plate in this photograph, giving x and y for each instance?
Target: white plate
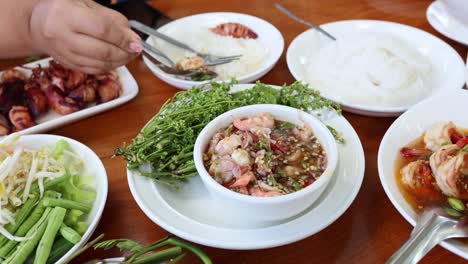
(268, 35)
(446, 24)
(466, 72)
(190, 213)
(444, 59)
(408, 127)
(52, 120)
(93, 167)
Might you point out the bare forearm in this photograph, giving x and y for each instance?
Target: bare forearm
(15, 28)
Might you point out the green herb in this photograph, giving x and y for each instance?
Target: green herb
(268, 155)
(337, 135)
(280, 172)
(166, 142)
(33, 58)
(140, 254)
(202, 76)
(303, 164)
(297, 186)
(271, 180)
(465, 148)
(262, 144)
(456, 204)
(285, 126)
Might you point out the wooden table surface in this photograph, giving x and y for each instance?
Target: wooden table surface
(368, 232)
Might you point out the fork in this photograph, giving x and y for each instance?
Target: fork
(210, 60)
(186, 75)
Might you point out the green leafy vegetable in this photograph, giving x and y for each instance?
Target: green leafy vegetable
(140, 254)
(337, 135)
(166, 142)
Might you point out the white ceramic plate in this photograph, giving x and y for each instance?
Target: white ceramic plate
(446, 24)
(466, 72)
(52, 120)
(268, 36)
(408, 127)
(190, 213)
(93, 167)
(444, 59)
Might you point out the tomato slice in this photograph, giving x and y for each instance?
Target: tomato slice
(455, 136)
(462, 142)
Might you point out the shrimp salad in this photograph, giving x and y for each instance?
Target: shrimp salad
(435, 168)
(264, 157)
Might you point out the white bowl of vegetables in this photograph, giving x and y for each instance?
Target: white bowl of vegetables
(265, 163)
(53, 191)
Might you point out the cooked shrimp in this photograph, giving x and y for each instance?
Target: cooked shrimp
(264, 120)
(241, 157)
(304, 133)
(227, 145)
(452, 176)
(214, 141)
(442, 155)
(224, 169)
(417, 177)
(438, 135)
(243, 180)
(190, 64)
(255, 191)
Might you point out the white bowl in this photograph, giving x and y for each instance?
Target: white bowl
(256, 211)
(268, 35)
(408, 127)
(445, 61)
(93, 167)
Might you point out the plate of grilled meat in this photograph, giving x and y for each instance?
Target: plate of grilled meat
(44, 95)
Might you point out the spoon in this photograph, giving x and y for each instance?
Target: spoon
(300, 20)
(434, 226)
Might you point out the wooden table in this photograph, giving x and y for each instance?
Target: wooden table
(368, 232)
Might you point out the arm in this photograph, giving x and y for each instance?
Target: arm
(80, 34)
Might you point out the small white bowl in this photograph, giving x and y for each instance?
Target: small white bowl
(407, 128)
(260, 211)
(268, 35)
(93, 167)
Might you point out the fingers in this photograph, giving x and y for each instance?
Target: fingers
(95, 48)
(107, 25)
(88, 64)
(63, 60)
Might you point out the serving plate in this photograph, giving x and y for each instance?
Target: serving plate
(192, 214)
(444, 59)
(445, 23)
(408, 127)
(93, 167)
(52, 120)
(268, 35)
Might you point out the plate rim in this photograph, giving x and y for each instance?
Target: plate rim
(439, 27)
(373, 110)
(132, 177)
(448, 245)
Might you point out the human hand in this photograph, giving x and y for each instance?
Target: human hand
(83, 35)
